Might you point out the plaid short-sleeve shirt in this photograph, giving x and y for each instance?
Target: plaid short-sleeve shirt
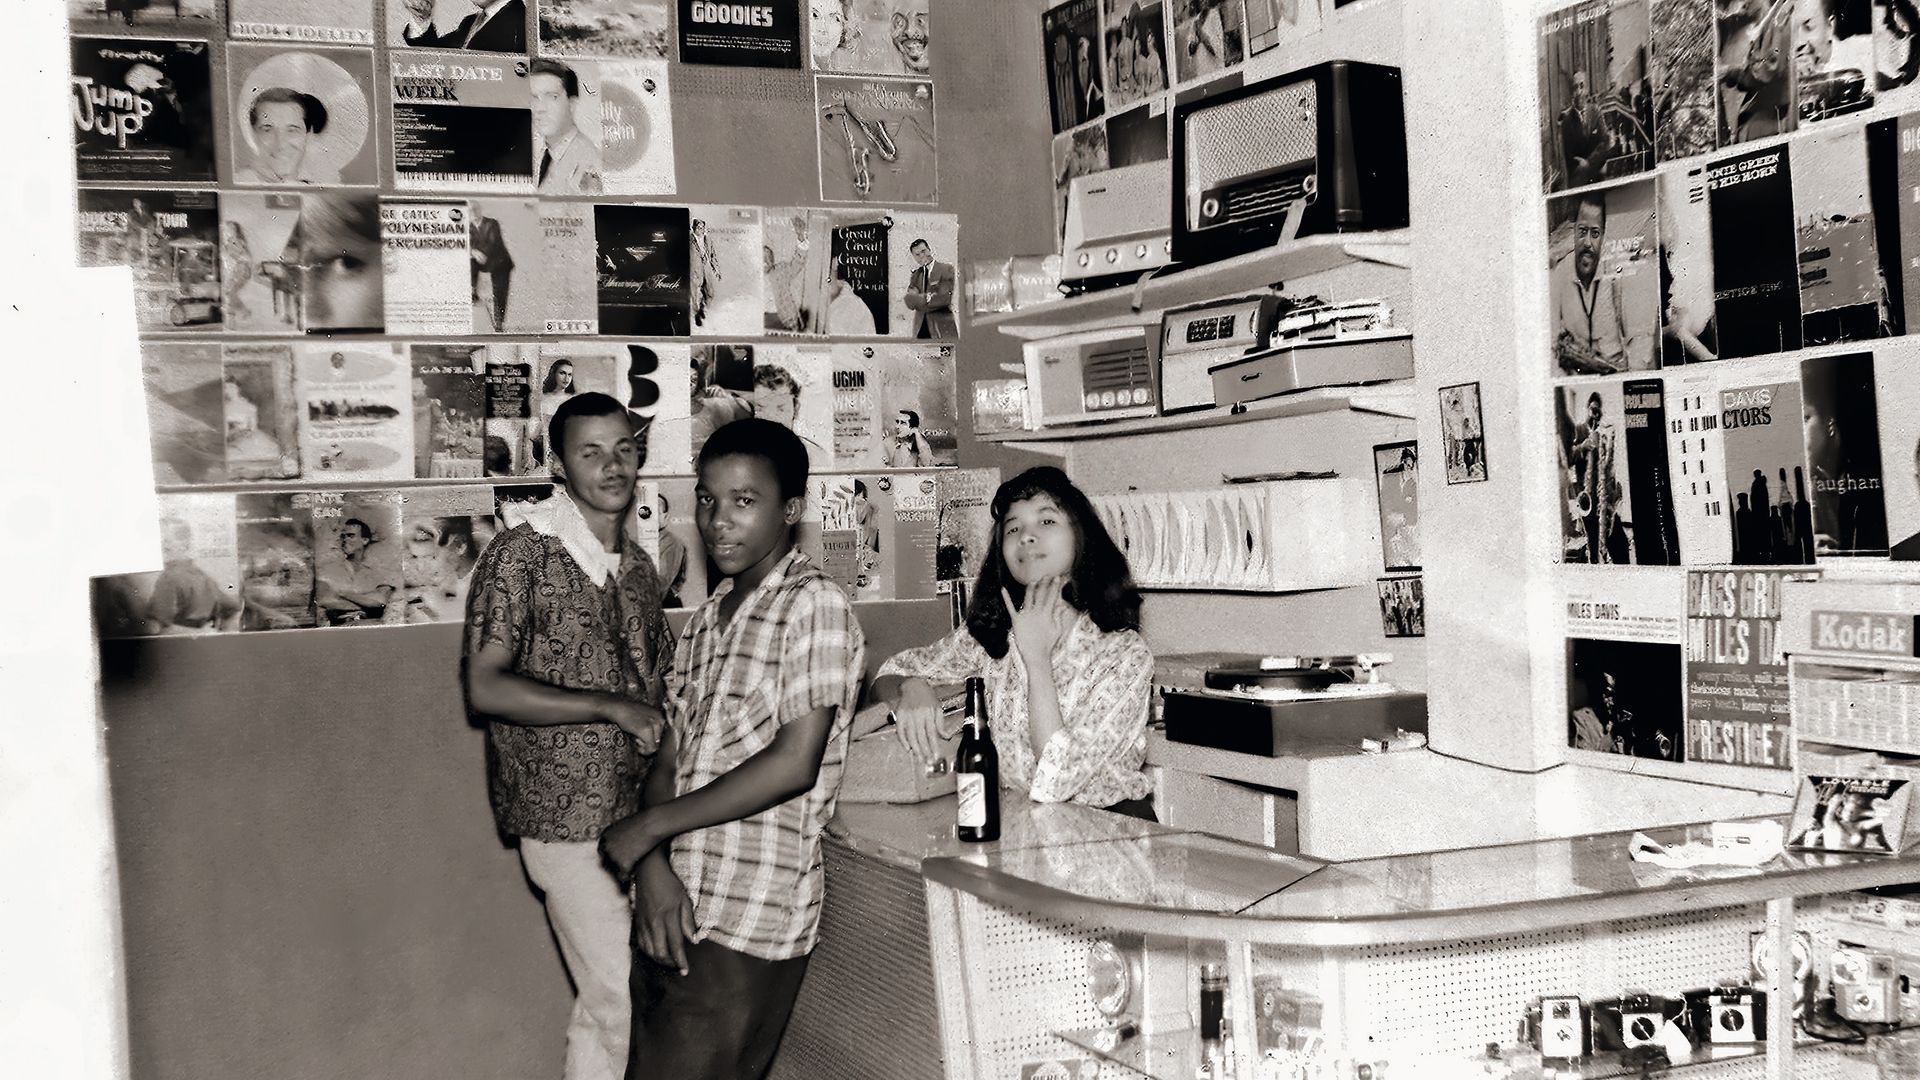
(792, 647)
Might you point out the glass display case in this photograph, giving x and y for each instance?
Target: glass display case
(1085, 957)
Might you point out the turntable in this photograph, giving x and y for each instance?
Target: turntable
(1277, 706)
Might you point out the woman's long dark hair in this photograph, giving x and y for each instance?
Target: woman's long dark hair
(1101, 584)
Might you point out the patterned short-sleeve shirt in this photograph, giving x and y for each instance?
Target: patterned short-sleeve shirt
(567, 782)
(1105, 683)
(792, 646)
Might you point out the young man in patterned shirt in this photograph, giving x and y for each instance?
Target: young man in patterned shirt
(729, 881)
(566, 657)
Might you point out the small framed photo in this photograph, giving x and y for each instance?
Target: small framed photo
(1396, 470)
(1403, 607)
(1462, 434)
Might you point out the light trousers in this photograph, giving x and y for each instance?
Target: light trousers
(592, 918)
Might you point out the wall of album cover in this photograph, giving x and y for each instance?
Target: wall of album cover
(376, 245)
(1733, 250)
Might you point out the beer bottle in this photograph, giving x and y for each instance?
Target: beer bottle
(976, 766)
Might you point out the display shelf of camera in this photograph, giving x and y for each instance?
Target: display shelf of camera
(1394, 399)
(1143, 302)
(1172, 1055)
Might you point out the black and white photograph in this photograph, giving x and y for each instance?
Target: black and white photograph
(1596, 95)
(1075, 153)
(1076, 91)
(194, 16)
(262, 410)
(1686, 119)
(300, 116)
(1138, 135)
(1464, 433)
(497, 26)
(1136, 49)
(1843, 292)
(1759, 55)
(313, 22)
(1396, 474)
(1596, 509)
(496, 229)
(1604, 280)
(616, 28)
(445, 530)
(142, 109)
(602, 127)
(727, 272)
(642, 269)
(462, 123)
(872, 37)
(274, 543)
(171, 242)
(196, 590)
(1209, 36)
(764, 35)
(857, 275)
(449, 410)
(184, 415)
(1403, 607)
(794, 264)
(877, 140)
(923, 252)
(358, 547)
(1625, 697)
(356, 418)
(1833, 57)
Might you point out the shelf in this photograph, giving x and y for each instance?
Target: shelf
(1387, 399)
(1173, 1055)
(1131, 305)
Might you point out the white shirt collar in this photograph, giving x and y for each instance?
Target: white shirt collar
(561, 519)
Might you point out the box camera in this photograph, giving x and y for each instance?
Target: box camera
(1634, 1020)
(1865, 989)
(1559, 1027)
(1726, 1015)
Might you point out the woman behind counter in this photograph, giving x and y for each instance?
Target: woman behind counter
(1054, 628)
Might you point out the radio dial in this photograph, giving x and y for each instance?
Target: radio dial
(1209, 208)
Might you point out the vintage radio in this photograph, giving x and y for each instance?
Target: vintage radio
(1101, 374)
(1117, 223)
(1193, 339)
(1322, 149)
(1300, 364)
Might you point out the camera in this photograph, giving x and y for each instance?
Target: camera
(1559, 1028)
(1729, 1014)
(1634, 1020)
(1864, 987)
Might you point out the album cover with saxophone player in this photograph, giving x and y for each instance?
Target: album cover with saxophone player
(877, 142)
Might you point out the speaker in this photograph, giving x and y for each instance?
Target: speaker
(1318, 150)
(1117, 222)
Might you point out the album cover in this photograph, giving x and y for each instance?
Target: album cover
(1070, 37)
(1139, 135)
(193, 16)
(1833, 57)
(1209, 36)
(445, 530)
(923, 250)
(1656, 539)
(512, 418)
(1756, 275)
(1843, 455)
(429, 256)
(796, 270)
(1883, 195)
(1604, 279)
(565, 295)
(1685, 121)
(507, 277)
(1272, 22)
(1697, 467)
(877, 141)
(260, 270)
(1771, 522)
(763, 34)
(1462, 431)
(358, 547)
(627, 106)
(1853, 814)
(1896, 372)
(1076, 153)
(261, 411)
(1396, 474)
(184, 422)
(682, 561)
(298, 115)
(919, 421)
(642, 285)
(792, 387)
(142, 109)
(858, 440)
(873, 534)
(1403, 607)
(963, 523)
(461, 122)
(727, 257)
(1840, 264)
(1757, 60)
(871, 37)
(1597, 520)
(857, 286)
(274, 541)
(1896, 50)
(624, 28)
(656, 376)
(719, 390)
(449, 410)
(1688, 333)
(317, 22)
(1136, 51)
(357, 419)
(457, 24)
(1739, 710)
(170, 239)
(197, 588)
(1000, 405)
(1625, 697)
(564, 370)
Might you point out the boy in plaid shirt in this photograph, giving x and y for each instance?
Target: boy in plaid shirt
(727, 844)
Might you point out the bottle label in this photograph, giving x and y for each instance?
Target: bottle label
(972, 789)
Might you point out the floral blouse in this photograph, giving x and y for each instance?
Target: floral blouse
(1105, 682)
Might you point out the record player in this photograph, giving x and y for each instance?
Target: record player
(1276, 706)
